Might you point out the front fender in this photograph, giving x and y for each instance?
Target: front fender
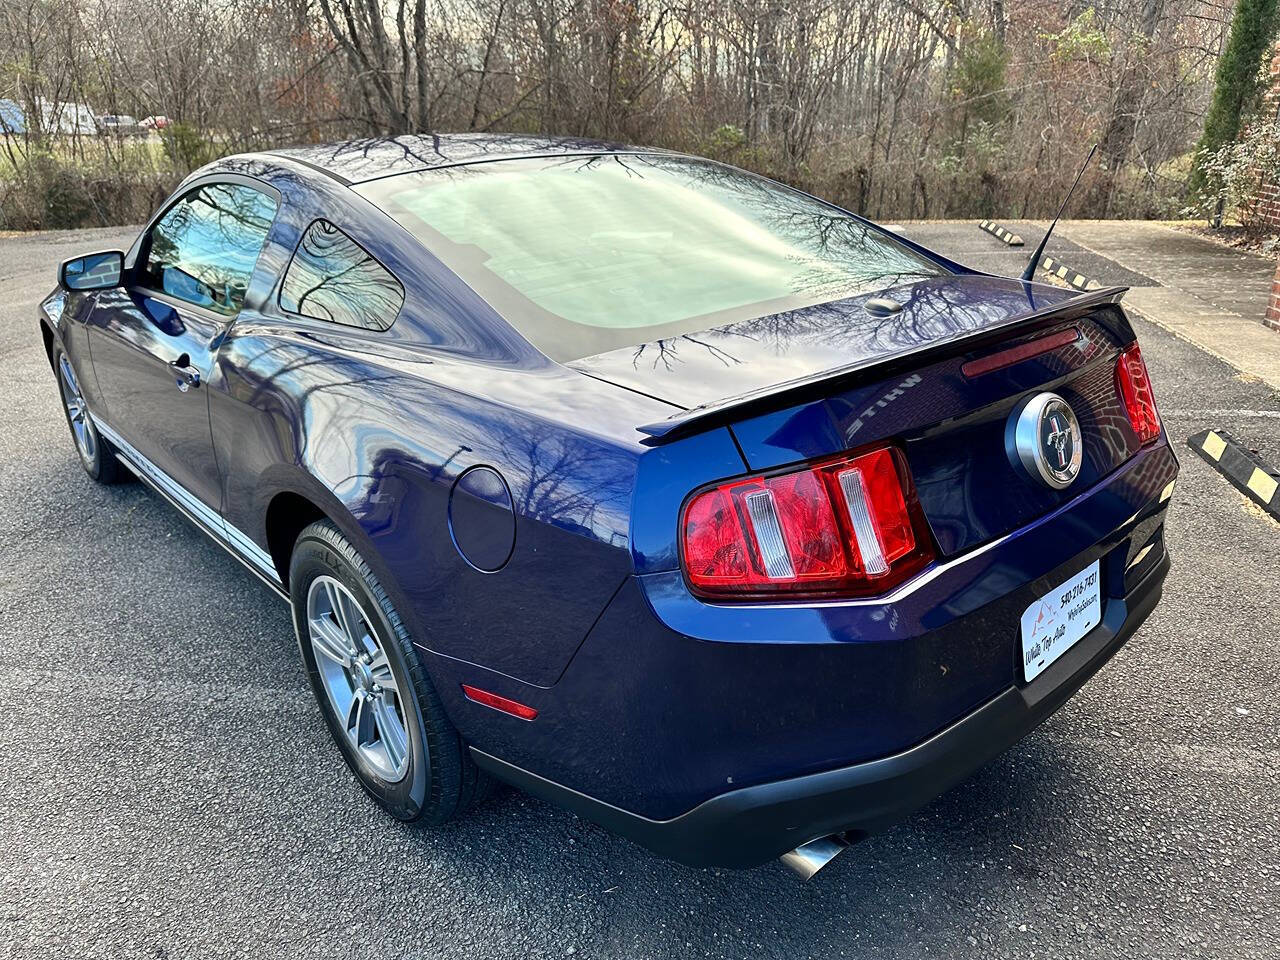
(62, 317)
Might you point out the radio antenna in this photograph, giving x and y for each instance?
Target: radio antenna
(1029, 274)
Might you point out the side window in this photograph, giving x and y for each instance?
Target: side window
(204, 249)
(331, 277)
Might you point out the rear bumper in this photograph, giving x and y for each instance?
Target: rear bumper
(752, 825)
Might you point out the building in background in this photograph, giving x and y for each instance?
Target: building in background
(12, 119)
(66, 118)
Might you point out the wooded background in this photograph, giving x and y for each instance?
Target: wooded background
(893, 108)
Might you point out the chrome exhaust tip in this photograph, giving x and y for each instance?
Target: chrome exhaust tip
(808, 858)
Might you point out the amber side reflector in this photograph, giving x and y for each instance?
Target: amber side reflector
(1023, 351)
(485, 698)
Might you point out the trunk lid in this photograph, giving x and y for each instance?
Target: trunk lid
(835, 378)
(742, 359)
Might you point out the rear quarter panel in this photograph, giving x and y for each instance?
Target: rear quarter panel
(388, 439)
(376, 427)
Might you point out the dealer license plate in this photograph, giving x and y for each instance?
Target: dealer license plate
(1052, 624)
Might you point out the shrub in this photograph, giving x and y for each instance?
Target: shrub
(725, 141)
(1083, 39)
(979, 79)
(186, 147)
(47, 193)
(1236, 84)
(1233, 174)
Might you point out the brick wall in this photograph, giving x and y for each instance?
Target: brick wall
(1266, 208)
(1272, 319)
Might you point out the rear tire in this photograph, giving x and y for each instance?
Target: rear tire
(97, 455)
(335, 595)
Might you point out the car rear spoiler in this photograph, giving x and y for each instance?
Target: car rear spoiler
(821, 384)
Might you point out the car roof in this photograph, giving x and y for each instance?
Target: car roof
(357, 161)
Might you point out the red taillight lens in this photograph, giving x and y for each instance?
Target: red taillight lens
(713, 544)
(1134, 386)
(846, 527)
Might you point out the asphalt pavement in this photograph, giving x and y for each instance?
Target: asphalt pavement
(167, 788)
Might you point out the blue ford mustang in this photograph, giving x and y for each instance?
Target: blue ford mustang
(702, 507)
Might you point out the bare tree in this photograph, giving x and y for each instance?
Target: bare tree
(891, 107)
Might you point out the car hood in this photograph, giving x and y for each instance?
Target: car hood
(752, 355)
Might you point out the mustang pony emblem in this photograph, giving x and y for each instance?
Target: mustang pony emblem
(1043, 439)
(1058, 438)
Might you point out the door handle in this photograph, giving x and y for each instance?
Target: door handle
(185, 375)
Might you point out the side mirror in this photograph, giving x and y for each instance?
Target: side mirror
(97, 271)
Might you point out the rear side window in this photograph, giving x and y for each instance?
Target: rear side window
(333, 278)
(203, 250)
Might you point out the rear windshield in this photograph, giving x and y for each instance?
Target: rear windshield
(588, 254)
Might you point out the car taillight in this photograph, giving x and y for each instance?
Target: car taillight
(846, 527)
(1135, 389)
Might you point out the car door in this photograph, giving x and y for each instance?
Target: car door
(153, 340)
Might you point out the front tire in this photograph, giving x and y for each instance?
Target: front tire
(376, 698)
(97, 456)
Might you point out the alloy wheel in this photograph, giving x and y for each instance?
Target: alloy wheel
(357, 678)
(81, 426)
